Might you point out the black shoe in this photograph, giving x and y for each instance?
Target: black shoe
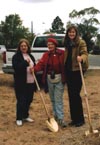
(79, 124)
(72, 123)
(62, 123)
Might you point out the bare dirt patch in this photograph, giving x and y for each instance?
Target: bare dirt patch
(37, 133)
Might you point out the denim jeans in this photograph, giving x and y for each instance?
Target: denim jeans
(56, 91)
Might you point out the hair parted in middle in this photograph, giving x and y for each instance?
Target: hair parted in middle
(77, 37)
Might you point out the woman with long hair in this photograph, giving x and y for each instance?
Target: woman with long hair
(75, 51)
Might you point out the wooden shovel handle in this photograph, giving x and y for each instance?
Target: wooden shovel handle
(42, 98)
(86, 98)
(82, 77)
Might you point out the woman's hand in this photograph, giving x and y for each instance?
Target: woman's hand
(28, 60)
(79, 59)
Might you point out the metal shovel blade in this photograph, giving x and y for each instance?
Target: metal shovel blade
(52, 125)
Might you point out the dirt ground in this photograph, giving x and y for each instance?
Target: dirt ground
(37, 133)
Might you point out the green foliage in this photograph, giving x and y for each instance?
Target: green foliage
(87, 11)
(86, 23)
(12, 31)
(57, 26)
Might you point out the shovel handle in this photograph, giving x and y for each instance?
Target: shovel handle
(41, 94)
(82, 77)
(86, 98)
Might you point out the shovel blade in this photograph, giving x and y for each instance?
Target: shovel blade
(52, 125)
(96, 132)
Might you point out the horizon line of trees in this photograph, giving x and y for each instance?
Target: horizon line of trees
(12, 29)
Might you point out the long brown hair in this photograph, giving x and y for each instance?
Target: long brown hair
(77, 37)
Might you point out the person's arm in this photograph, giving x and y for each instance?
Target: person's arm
(83, 52)
(40, 65)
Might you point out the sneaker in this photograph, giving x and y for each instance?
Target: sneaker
(62, 123)
(19, 122)
(28, 119)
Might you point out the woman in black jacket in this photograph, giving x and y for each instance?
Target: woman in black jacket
(23, 81)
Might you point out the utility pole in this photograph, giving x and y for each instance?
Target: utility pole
(32, 27)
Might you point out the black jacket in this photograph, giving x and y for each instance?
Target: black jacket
(20, 70)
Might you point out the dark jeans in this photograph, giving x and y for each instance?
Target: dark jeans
(74, 84)
(24, 98)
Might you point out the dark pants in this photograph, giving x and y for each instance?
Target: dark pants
(24, 98)
(74, 84)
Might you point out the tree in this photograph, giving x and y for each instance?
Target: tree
(57, 26)
(12, 31)
(86, 23)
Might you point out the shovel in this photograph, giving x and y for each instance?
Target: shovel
(90, 131)
(51, 123)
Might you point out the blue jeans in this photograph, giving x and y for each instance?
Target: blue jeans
(56, 91)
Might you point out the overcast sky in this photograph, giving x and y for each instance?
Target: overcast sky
(43, 12)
